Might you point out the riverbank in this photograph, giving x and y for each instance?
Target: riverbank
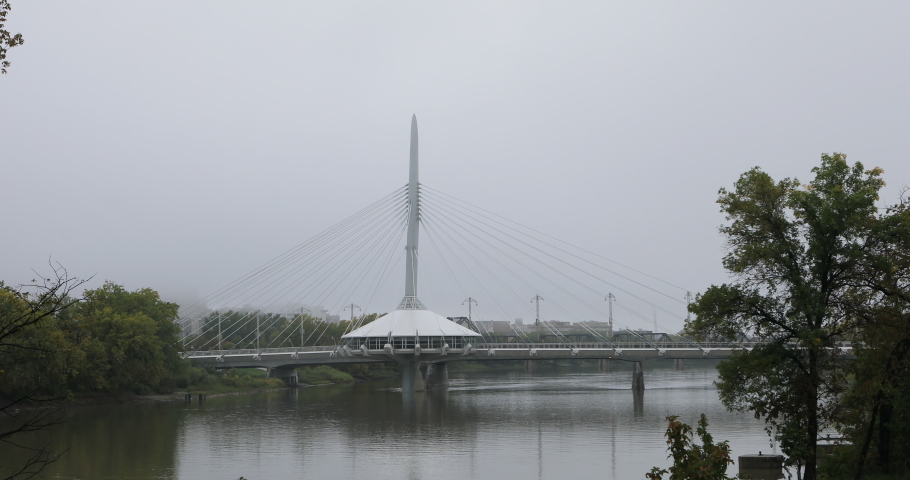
(234, 382)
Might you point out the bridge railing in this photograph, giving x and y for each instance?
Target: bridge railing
(257, 351)
(618, 345)
(506, 346)
(487, 346)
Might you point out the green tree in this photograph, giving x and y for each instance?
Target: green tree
(876, 413)
(797, 253)
(33, 355)
(130, 339)
(7, 39)
(707, 461)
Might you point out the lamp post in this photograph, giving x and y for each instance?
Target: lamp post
(536, 300)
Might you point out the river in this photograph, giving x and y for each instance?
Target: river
(555, 423)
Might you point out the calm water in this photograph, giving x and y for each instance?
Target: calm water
(553, 424)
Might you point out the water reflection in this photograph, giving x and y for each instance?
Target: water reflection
(105, 442)
(638, 402)
(551, 423)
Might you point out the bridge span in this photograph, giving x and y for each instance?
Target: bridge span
(281, 362)
(290, 357)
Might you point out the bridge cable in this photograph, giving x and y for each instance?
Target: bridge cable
(455, 199)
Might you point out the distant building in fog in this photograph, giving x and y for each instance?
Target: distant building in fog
(493, 326)
(597, 326)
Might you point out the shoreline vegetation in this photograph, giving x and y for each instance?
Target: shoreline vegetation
(115, 346)
(243, 381)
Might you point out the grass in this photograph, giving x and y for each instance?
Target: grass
(322, 375)
(232, 381)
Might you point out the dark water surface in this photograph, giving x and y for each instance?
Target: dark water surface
(555, 423)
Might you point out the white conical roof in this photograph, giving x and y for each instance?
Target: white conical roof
(411, 323)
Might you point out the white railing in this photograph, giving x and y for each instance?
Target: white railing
(256, 351)
(497, 346)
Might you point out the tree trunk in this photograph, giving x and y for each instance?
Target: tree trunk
(812, 420)
(868, 441)
(884, 435)
(894, 376)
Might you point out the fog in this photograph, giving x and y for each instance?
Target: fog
(178, 145)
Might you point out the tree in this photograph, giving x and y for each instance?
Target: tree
(876, 414)
(7, 40)
(24, 312)
(797, 253)
(132, 337)
(707, 461)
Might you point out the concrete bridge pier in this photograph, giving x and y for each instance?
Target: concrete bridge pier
(437, 375)
(638, 377)
(287, 375)
(411, 378)
(530, 365)
(678, 364)
(603, 365)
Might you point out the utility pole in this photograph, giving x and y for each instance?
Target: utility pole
(257, 329)
(610, 299)
(301, 324)
(536, 300)
(469, 302)
(654, 313)
(352, 307)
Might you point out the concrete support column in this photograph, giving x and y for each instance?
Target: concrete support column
(678, 364)
(638, 376)
(530, 365)
(603, 365)
(437, 375)
(287, 375)
(411, 378)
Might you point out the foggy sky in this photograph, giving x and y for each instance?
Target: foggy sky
(179, 144)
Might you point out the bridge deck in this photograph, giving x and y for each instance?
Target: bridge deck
(337, 355)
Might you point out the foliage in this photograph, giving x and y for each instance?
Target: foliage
(876, 409)
(797, 253)
(707, 461)
(322, 374)
(232, 381)
(27, 316)
(7, 40)
(113, 340)
(129, 338)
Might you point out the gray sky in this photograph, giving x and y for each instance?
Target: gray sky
(179, 144)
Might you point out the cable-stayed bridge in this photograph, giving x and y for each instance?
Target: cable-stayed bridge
(473, 260)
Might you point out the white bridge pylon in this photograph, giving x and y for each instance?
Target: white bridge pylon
(411, 333)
